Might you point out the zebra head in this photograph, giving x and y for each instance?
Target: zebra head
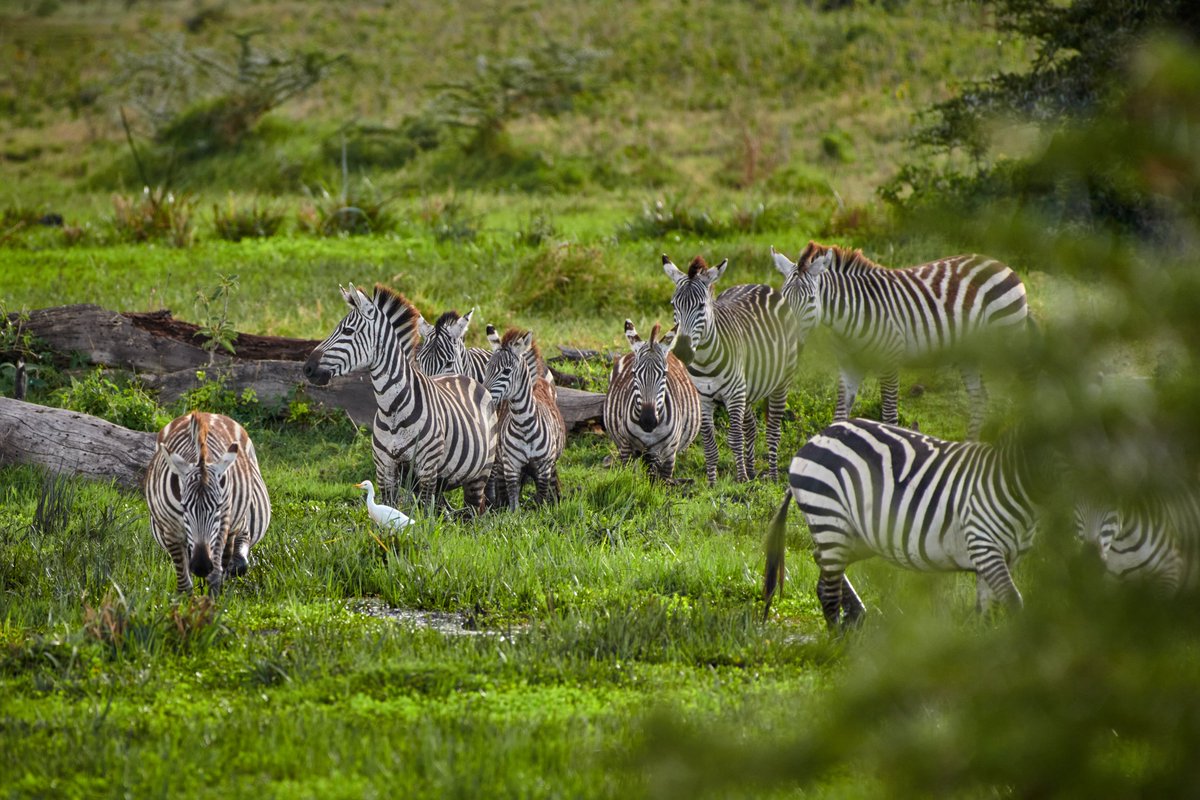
(204, 495)
(366, 336)
(801, 282)
(508, 368)
(648, 387)
(1097, 525)
(442, 351)
(695, 318)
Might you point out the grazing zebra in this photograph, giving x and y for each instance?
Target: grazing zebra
(435, 433)
(652, 406)
(208, 503)
(870, 489)
(739, 347)
(532, 431)
(881, 318)
(1156, 540)
(442, 352)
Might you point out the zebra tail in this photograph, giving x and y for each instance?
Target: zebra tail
(776, 539)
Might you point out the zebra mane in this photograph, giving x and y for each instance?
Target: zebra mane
(512, 334)
(201, 443)
(654, 332)
(844, 258)
(697, 266)
(447, 319)
(400, 313)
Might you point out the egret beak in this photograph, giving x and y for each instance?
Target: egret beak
(359, 486)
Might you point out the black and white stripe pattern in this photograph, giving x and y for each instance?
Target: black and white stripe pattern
(208, 503)
(883, 318)
(435, 433)
(740, 347)
(442, 350)
(1156, 540)
(870, 489)
(652, 407)
(532, 431)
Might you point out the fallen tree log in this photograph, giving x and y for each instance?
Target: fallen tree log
(71, 443)
(275, 381)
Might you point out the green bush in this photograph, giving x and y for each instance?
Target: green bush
(213, 395)
(574, 278)
(233, 223)
(128, 406)
(353, 213)
(155, 215)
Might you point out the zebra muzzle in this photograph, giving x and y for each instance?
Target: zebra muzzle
(315, 373)
(647, 419)
(201, 564)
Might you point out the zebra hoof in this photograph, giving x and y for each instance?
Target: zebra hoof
(239, 566)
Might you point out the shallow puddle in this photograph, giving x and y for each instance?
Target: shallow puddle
(449, 623)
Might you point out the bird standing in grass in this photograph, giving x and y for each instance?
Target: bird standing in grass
(384, 516)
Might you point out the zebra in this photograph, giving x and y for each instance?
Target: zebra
(1155, 540)
(652, 407)
(739, 347)
(442, 352)
(435, 433)
(534, 354)
(532, 431)
(868, 488)
(881, 318)
(208, 503)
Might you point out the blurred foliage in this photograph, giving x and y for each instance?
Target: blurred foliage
(1083, 51)
(234, 222)
(1094, 689)
(158, 214)
(358, 210)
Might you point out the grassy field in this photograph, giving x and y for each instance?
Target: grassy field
(610, 646)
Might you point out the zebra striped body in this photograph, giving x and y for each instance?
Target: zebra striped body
(740, 347)
(870, 489)
(883, 318)
(532, 431)
(442, 351)
(435, 433)
(208, 503)
(1157, 540)
(652, 407)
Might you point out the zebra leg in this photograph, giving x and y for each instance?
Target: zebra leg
(512, 482)
(475, 495)
(547, 483)
(241, 555)
(848, 383)
(977, 392)
(736, 406)
(829, 595)
(709, 435)
(177, 549)
(992, 576)
(889, 391)
(387, 479)
(750, 432)
(776, 406)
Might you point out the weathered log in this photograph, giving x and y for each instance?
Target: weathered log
(274, 381)
(71, 443)
(246, 346)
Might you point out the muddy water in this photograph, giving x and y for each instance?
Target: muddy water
(444, 622)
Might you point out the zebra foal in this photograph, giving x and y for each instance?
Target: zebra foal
(532, 431)
(652, 407)
(871, 489)
(436, 433)
(442, 350)
(208, 503)
(740, 347)
(882, 318)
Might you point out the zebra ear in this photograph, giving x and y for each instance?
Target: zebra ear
(460, 328)
(424, 327)
(524, 343)
(667, 342)
(782, 262)
(713, 274)
(631, 333)
(226, 461)
(347, 294)
(361, 302)
(819, 264)
(178, 464)
(493, 337)
(673, 271)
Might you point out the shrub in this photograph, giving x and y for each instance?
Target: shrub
(663, 217)
(157, 214)
(213, 395)
(571, 277)
(234, 223)
(129, 406)
(353, 213)
(449, 219)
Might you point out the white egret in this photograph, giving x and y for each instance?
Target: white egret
(385, 516)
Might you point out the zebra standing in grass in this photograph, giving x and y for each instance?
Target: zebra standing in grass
(869, 489)
(208, 503)
(1157, 540)
(739, 347)
(881, 318)
(442, 351)
(652, 406)
(436, 433)
(532, 431)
